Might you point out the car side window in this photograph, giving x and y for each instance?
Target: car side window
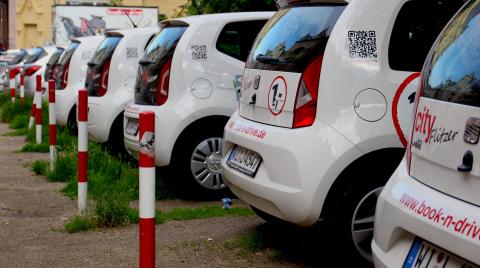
(236, 38)
(418, 24)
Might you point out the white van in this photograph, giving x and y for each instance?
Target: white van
(428, 214)
(324, 111)
(189, 78)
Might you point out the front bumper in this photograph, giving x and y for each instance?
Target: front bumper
(298, 168)
(398, 221)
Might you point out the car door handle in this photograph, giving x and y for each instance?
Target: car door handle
(254, 99)
(467, 162)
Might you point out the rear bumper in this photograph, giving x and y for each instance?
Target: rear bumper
(64, 101)
(170, 120)
(398, 221)
(102, 112)
(298, 167)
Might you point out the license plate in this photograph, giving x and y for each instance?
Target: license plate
(425, 255)
(132, 127)
(244, 160)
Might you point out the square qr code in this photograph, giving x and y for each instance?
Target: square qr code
(362, 45)
(199, 52)
(132, 52)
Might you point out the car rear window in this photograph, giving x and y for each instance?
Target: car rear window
(65, 57)
(293, 36)
(36, 54)
(105, 49)
(18, 57)
(452, 69)
(56, 55)
(163, 45)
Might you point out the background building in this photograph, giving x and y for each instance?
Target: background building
(28, 23)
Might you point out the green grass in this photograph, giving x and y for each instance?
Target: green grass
(20, 121)
(79, 223)
(11, 110)
(182, 214)
(40, 167)
(18, 132)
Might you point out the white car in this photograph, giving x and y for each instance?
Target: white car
(51, 66)
(14, 66)
(428, 214)
(324, 108)
(35, 64)
(70, 77)
(189, 78)
(110, 82)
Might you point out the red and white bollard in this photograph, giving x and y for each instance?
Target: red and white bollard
(82, 150)
(22, 89)
(12, 85)
(52, 121)
(32, 113)
(147, 189)
(38, 113)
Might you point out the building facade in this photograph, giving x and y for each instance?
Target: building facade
(28, 23)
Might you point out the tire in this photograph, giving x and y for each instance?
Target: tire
(349, 211)
(115, 143)
(196, 157)
(72, 126)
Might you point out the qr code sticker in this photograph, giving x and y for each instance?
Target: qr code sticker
(199, 52)
(132, 52)
(362, 45)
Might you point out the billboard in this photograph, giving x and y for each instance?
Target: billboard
(78, 21)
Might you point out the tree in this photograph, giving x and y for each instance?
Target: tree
(196, 7)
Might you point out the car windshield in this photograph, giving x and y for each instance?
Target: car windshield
(105, 50)
(452, 70)
(65, 57)
(36, 54)
(293, 36)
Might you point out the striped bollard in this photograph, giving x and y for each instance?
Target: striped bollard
(82, 150)
(147, 189)
(12, 86)
(33, 111)
(38, 113)
(22, 89)
(52, 121)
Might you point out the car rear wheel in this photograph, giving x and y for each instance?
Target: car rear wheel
(195, 171)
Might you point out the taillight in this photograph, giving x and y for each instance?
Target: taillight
(307, 94)
(64, 76)
(414, 113)
(102, 90)
(31, 70)
(163, 83)
(13, 72)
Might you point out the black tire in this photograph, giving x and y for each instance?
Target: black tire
(357, 183)
(180, 176)
(72, 126)
(115, 143)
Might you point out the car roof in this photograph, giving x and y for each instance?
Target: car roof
(222, 16)
(133, 31)
(86, 38)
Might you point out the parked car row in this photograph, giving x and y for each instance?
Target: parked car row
(305, 115)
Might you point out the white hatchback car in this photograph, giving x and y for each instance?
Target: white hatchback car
(70, 77)
(51, 66)
(35, 64)
(324, 108)
(110, 82)
(189, 78)
(428, 214)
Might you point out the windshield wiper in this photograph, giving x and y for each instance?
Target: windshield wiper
(145, 62)
(268, 59)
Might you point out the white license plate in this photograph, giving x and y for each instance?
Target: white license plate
(425, 255)
(244, 160)
(132, 127)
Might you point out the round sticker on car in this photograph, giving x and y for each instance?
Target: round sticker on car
(402, 106)
(277, 95)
